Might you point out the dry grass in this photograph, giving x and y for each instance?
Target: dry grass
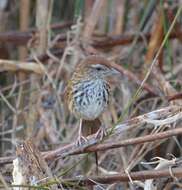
(143, 41)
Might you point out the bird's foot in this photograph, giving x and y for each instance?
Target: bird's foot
(81, 140)
(101, 133)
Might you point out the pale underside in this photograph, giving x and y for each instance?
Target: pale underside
(91, 98)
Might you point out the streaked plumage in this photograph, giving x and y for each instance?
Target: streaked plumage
(88, 91)
(89, 99)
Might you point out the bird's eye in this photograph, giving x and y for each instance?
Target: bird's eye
(99, 69)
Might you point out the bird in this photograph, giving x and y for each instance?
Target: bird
(88, 93)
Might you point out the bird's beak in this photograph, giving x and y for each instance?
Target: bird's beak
(115, 72)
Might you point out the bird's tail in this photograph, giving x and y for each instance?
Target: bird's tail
(89, 128)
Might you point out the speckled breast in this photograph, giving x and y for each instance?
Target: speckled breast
(90, 99)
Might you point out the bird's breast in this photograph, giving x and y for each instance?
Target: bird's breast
(90, 99)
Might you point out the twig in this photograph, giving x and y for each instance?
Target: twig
(4, 182)
(21, 38)
(7, 102)
(123, 177)
(125, 39)
(9, 65)
(133, 141)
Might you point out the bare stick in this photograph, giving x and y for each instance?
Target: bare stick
(123, 177)
(9, 65)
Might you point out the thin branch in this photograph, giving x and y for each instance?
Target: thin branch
(125, 39)
(9, 65)
(22, 37)
(123, 177)
(134, 141)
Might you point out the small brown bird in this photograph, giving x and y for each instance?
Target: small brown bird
(88, 91)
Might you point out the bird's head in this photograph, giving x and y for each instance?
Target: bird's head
(96, 67)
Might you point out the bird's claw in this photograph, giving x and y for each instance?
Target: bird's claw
(81, 140)
(101, 133)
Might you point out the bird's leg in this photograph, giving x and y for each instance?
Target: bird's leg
(80, 138)
(101, 133)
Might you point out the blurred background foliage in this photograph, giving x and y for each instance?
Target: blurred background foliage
(129, 32)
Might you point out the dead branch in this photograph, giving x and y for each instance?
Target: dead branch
(133, 141)
(123, 177)
(125, 39)
(21, 38)
(9, 65)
